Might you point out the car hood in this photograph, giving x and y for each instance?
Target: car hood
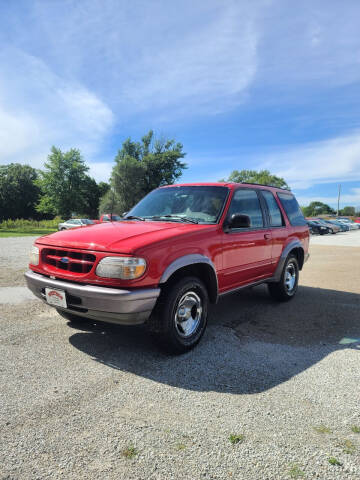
(118, 237)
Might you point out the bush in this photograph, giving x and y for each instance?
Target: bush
(21, 224)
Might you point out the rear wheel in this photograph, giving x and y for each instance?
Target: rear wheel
(180, 316)
(286, 288)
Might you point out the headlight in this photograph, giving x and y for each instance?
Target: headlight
(34, 256)
(125, 268)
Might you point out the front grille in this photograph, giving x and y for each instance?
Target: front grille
(67, 260)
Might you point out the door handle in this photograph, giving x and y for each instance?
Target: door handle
(267, 236)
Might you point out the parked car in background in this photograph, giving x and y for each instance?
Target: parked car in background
(333, 228)
(317, 228)
(351, 225)
(108, 217)
(357, 220)
(342, 226)
(75, 223)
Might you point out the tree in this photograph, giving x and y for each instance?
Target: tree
(141, 167)
(91, 194)
(348, 211)
(65, 185)
(263, 177)
(19, 193)
(317, 208)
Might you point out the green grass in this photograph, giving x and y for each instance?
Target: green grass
(28, 232)
(129, 452)
(296, 472)
(234, 439)
(334, 461)
(355, 429)
(322, 429)
(23, 228)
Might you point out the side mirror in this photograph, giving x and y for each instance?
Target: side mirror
(238, 220)
(124, 214)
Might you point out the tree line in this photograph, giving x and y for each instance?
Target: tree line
(65, 188)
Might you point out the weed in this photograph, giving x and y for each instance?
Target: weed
(234, 439)
(296, 472)
(129, 452)
(180, 446)
(322, 429)
(334, 461)
(348, 446)
(355, 429)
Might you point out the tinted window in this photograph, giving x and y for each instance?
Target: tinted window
(276, 219)
(246, 202)
(292, 209)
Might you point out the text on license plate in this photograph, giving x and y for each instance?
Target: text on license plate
(56, 297)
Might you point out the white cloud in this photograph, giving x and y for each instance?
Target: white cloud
(347, 199)
(333, 160)
(159, 57)
(39, 109)
(101, 171)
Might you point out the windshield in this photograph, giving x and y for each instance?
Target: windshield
(202, 204)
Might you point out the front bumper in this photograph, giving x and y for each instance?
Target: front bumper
(113, 305)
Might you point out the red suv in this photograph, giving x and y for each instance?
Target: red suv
(179, 249)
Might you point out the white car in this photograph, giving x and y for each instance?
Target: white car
(75, 222)
(349, 223)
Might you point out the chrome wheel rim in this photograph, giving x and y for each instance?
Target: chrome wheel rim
(290, 277)
(188, 314)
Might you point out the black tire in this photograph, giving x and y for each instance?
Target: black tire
(281, 290)
(165, 323)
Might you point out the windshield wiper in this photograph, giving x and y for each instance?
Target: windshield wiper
(176, 217)
(134, 217)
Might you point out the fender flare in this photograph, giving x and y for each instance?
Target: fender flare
(187, 260)
(289, 247)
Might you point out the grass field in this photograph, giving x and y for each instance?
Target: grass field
(18, 232)
(26, 228)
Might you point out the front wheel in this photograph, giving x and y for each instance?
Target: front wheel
(180, 316)
(286, 288)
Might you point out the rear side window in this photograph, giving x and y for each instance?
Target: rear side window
(246, 202)
(276, 219)
(292, 209)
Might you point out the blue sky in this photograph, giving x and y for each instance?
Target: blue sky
(242, 84)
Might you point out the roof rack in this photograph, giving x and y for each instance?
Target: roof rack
(263, 185)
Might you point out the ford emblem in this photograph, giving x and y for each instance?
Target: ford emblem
(64, 260)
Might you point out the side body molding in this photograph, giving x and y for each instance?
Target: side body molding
(293, 244)
(189, 260)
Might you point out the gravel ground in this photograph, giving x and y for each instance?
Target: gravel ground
(91, 401)
(341, 239)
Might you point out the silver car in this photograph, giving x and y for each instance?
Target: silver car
(75, 222)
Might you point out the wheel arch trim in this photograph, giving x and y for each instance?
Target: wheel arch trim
(294, 244)
(189, 260)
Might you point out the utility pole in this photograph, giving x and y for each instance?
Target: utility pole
(338, 209)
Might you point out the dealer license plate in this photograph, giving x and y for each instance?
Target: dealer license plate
(56, 297)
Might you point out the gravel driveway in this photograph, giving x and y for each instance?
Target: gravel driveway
(89, 401)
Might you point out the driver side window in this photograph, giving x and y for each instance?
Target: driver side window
(246, 202)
